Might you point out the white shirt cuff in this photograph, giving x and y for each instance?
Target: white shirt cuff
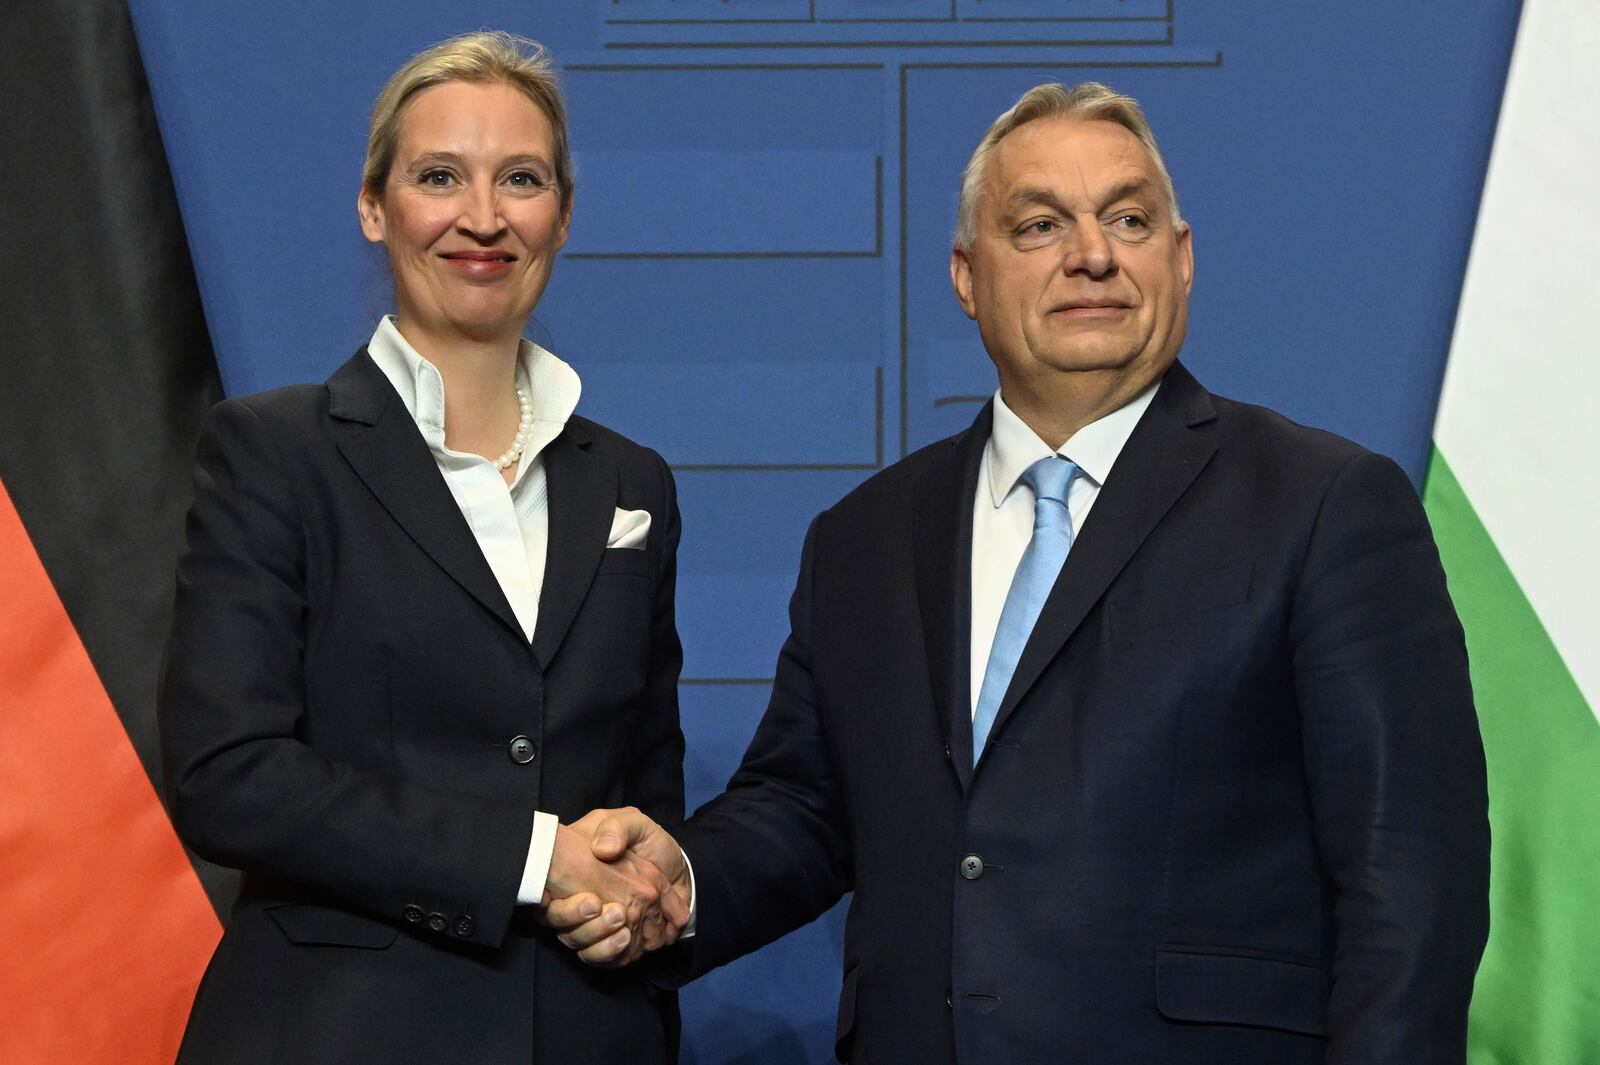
(541, 849)
(694, 916)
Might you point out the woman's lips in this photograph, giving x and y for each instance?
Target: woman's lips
(480, 264)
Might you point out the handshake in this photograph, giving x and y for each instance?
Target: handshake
(618, 886)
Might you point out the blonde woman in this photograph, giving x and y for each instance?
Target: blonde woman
(424, 622)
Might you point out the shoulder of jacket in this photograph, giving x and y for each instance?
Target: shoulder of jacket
(291, 404)
(592, 432)
(893, 489)
(1272, 438)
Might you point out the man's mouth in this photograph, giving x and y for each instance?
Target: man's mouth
(1090, 309)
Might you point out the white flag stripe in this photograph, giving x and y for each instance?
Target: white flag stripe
(1518, 419)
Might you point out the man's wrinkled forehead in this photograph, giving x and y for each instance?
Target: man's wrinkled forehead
(1104, 158)
(1138, 189)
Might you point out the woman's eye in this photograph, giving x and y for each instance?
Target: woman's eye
(524, 179)
(438, 179)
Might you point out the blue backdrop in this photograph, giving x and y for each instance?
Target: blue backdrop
(756, 282)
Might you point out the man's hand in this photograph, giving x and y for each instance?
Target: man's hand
(625, 903)
(601, 929)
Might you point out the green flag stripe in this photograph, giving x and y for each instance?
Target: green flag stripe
(1538, 993)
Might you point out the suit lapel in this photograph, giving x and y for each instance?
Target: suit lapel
(383, 445)
(583, 502)
(942, 546)
(1160, 461)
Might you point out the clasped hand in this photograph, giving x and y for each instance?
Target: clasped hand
(618, 887)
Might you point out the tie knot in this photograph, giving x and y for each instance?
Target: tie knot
(1050, 477)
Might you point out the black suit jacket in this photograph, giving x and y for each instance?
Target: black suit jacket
(341, 689)
(1232, 810)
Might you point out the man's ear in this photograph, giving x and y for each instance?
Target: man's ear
(961, 280)
(1186, 257)
(370, 210)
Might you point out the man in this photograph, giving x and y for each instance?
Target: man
(1209, 792)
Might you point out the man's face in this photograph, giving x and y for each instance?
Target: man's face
(1077, 265)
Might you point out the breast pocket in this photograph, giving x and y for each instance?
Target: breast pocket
(627, 562)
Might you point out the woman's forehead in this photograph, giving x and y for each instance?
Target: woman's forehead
(456, 115)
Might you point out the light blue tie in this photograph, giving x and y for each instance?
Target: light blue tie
(1036, 575)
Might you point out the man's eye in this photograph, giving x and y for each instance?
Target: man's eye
(1130, 221)
(1039, 227)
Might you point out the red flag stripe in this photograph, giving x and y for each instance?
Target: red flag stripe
(107, 929)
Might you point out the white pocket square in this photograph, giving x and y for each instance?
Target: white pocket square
(629, 529)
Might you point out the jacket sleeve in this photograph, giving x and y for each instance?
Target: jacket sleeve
(655, 774)
(243, 788)
(772, 852)
(1396, 773)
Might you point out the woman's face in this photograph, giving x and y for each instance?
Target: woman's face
(470, 213)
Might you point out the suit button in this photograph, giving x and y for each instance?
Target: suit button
(522, 750)
(413, 914)
(463, 926)
(437, 922)
(972, 867)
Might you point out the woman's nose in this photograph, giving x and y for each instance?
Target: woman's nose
(480, 213)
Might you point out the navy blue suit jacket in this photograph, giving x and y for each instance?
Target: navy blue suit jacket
(1232, 810)
(340, 693)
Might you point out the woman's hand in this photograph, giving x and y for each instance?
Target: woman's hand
(618, 887)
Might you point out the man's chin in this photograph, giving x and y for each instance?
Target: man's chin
(1117, 372)
(1089, 359)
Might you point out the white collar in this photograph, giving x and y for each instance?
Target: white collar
(1013, 446)
(552, 386)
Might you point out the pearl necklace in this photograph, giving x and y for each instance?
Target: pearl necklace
(524, 428)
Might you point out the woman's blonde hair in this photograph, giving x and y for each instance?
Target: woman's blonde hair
(486, 57)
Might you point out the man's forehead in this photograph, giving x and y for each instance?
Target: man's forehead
(1093, 145)
(1108, 186)
(1099, 156)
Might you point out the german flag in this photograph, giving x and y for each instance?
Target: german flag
(105, 372)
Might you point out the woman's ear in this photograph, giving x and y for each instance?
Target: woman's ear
(566, 220)
(370, 209)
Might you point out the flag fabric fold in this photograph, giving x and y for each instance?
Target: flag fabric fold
(105, 372)
(1511, 491)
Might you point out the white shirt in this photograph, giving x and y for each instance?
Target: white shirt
(511, 522)
(1002, 507)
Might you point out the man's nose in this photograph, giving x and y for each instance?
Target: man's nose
(1087, 250)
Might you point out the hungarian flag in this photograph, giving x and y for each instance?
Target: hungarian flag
(1513, 491)
(105, 372)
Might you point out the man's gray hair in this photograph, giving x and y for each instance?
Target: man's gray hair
(1086, 102)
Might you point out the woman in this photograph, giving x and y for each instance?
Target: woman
(425, 612)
